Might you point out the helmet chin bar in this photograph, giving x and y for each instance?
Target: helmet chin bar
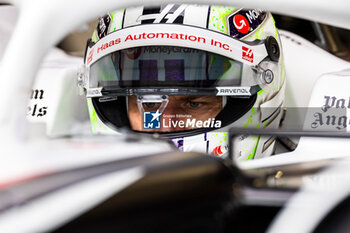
(162, 99)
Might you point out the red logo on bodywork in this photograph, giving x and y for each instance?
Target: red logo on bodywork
(91, 53)
(247, 54)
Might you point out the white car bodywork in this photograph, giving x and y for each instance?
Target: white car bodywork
(26, 152)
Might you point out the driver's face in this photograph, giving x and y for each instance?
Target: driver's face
(179, 108)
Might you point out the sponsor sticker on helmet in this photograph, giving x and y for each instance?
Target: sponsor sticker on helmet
(247, 54)
(94, 92)
(103, 25)
(233, 91)
(241, 23)
(245, 21)
(191, 37)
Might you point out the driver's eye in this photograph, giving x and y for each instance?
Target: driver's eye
(194, 104)
(151, 105)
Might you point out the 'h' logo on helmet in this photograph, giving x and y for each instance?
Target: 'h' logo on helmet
(170, 14)
(247, 54)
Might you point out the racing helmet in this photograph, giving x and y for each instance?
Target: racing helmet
(187, 73)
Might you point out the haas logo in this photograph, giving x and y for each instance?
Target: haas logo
(247, 54)
(168, 15)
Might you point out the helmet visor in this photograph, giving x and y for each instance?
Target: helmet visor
(172, 69)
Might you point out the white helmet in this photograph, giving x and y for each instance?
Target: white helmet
(187, 73)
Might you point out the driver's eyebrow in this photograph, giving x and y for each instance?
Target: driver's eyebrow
(204, 98)
(193, 98)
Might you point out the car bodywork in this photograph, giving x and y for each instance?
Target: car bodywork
(43, 174)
